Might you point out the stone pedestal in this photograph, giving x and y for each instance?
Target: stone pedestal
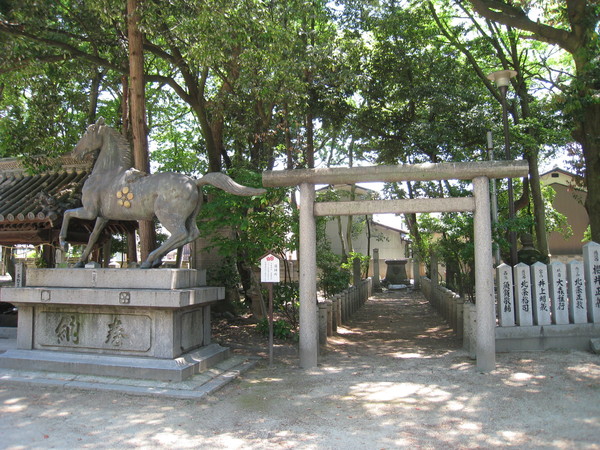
(506, 302)
(152, 324)
(376, 285)
(576, 291)
(557, 279)
(591, 264)
(523, 309)
(540, 298)
(396, 272)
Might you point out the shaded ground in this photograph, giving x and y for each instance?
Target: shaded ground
(395, 377)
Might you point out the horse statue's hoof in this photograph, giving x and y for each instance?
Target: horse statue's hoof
(151, 264)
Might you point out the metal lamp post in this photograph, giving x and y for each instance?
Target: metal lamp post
(502, 80)
(494, 197)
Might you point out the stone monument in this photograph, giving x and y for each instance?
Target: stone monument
(528, 254)
(395, 274)
(115, 322)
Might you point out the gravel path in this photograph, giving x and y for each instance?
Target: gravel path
(395, 377)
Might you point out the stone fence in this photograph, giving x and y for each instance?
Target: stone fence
(544, 306)
(340, 308)
(538, 307)
(447, 303)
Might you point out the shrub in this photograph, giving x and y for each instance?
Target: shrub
(281, 328)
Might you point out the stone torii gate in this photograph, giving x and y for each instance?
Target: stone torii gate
(480, 174)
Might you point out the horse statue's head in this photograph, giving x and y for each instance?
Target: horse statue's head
(91, 141)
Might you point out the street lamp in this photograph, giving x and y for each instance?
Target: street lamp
(502, 80)
(494, 197)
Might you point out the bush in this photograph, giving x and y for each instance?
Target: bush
(281, 328)
(286, 300)
(333, 279)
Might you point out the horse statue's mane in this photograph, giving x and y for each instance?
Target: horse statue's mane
(125, 153)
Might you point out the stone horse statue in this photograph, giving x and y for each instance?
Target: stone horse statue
(116, 191)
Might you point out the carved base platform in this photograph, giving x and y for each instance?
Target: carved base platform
(151, 324)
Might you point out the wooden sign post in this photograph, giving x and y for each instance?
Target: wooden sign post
(269, 274)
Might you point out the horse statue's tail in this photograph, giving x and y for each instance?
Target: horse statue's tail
(222, 181)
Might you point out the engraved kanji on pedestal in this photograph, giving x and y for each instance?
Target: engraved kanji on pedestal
(591, 263)
(576, 290)
(557, 279)
(524, 315)
(540, 290)
(506, 300)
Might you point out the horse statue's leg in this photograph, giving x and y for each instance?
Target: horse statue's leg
(98, 227)
(77, 213)
(86, 214)
(180, 235)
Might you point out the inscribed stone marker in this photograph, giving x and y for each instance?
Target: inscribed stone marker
(541, 300)
(506, 300)
(557, 278)
(576, 290)
(591, 263)
(523, 295)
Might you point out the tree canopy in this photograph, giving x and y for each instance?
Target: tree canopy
(255, 85)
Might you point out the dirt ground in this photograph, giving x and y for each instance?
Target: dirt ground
(395, 377)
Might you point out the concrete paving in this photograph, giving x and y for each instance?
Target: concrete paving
(395, 377)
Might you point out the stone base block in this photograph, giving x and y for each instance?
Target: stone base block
(147, 332)
(177, 369)
(117, 278)
(121, 322)
(539, 338)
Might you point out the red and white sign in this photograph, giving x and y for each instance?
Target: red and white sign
(269, 269)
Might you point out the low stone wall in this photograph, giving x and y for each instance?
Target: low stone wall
(446, 303)
(461, 316)
(339, 309)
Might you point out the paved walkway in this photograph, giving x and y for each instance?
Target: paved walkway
(394, 377)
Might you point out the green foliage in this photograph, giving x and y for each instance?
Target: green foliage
(225, 274)
(239, 82)
(349, 265)
(555, 221)
(286, 301)
(450, 237)
(281, 328)
(259, 224)
(40, 262)
(333, 279)
(587, 234)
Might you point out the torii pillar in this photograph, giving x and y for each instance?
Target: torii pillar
(309, 335)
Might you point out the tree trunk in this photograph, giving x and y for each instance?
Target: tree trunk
(252, 291)
(413, 227)
(588, 134)
(93, 96)
(343, 240)
(310, 143)
(539, 210)
(138, 115)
